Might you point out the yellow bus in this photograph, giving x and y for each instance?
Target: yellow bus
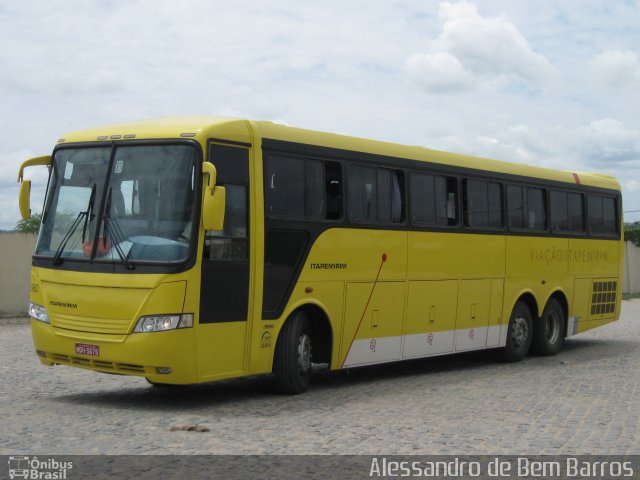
(189, 250)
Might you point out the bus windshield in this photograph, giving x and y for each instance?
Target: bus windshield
(122, 204)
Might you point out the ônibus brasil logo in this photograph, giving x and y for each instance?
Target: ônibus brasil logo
(33, 468)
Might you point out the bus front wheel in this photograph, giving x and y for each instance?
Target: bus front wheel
(548, 333)
(292, 361)
(519, 334)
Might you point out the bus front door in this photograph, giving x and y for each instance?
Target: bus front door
(224, 295)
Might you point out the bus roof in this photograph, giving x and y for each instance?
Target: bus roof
(158, 128)
(202, 128)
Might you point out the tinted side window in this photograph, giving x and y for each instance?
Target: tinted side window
(333, 190)
(297, 187)
(428, 199)
(558, 208)
(314, 189)
(483, 206)
(602, 215)
(609, 212)
(384, 195)
(576, 212)
(363, 193)
(285, 187)
(596, 217)
(515, 206)
(232, 242)
(375, 194)
(567, 212)
(536, 211)
(526, 208)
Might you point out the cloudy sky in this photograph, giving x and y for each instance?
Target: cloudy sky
(550, 83)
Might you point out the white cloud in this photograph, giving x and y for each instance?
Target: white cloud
(439, 72)
(608, 143)
(342, 67)
(606, 146)
(616, 69)
(489, 48)
(632, 185)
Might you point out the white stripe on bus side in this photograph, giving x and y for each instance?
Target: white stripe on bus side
(370, 351)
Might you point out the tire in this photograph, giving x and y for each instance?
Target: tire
(548, 332)
(519, 334)
(292, 360)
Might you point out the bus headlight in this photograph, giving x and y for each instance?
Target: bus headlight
(38, 312)
(162, 323)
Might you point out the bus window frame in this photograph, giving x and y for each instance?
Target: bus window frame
(403, 185)
(546, 208)
(464, 221)
(407, 164)
(569, 233)
(304, 219)
(617, 219)
(142, 266)
(424, 226)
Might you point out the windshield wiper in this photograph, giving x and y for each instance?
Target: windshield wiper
(112, 227)
(87, 215)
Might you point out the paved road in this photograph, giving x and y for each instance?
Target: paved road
(584, 400)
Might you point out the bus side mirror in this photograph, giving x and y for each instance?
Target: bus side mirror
(24, 199)
(213, 203)
(43, 160)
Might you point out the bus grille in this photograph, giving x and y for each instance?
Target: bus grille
(102, 365)
(603, 297)
(114, 326)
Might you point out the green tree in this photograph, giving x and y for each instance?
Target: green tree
(30, 225)
(632, 232)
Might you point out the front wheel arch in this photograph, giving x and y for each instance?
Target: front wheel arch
(321, 333)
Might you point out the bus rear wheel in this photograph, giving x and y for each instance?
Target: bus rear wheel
(548, 333)
(292, 361)
(519, 334)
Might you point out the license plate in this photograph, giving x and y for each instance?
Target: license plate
(87, 349)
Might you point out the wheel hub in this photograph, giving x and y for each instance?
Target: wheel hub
(304, 353)
(552, 327)
(520, 331)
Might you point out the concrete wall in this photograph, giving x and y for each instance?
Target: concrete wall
(15, 266)
(631, 283)
(15, 263)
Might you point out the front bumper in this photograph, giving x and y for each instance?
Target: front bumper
(140, 354)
